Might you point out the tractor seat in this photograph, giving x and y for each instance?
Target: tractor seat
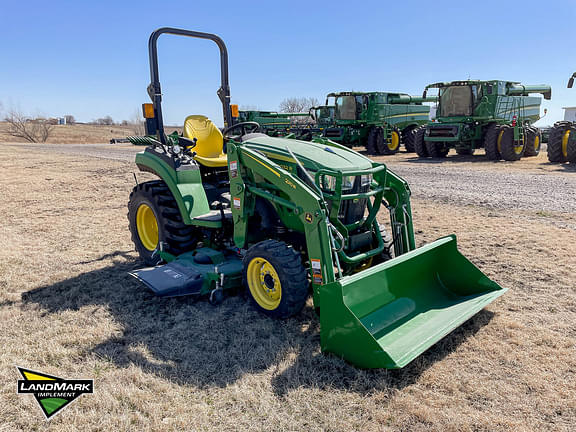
(209, 144)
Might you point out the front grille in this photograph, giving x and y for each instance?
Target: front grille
(332, 132)
(443, 131)
(352, 211)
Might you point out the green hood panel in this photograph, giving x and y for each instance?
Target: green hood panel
(312, 155)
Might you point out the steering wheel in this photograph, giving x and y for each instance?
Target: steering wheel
(245, 128)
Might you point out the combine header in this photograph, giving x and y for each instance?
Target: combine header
(494, 115)
(282, 218)
(377, 121)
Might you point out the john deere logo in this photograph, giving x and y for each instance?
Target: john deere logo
(51, 392)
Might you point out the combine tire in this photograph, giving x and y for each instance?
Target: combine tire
(493, 134)
(419, 143)
(465, 151)
(275, 278)
(571, 146)
(408, 138)
(533, 138)
(509, 149)
(436, 149)
(371, 147)
(389, 147)
(153, 217)
(558, 142)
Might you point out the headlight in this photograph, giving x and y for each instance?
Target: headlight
(347, 183)
(328, 183)
(366, 179)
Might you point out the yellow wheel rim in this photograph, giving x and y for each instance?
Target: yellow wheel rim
(394, 141)
(519, 146)
(264, 283)
(147, 227)
(499, 141)
(537, 143)
(565, 139)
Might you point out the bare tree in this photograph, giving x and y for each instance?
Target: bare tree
(32, 130)
(107, 121)
(298, 105)
(70, 119)
(137, 123)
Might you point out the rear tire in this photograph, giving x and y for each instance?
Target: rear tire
(276, 280)
(408, 138)
(510, 149)
(556, 153)
(436, 149)
(419, 143)
(154, 217)
(491, 142)
(533, 139)
(371, 148)
(571, 146)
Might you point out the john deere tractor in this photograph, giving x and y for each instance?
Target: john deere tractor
(378, 121)
(495, 115)
(562, 138)
(281, 218)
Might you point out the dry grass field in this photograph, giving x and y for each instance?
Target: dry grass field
(79, 133)
(68, 308)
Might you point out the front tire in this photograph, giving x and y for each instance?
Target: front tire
(509, 149)
(275, 278)
(392, 146)
(493, 135)
(153, 217)
(558, 142)
(371, 147)
(419, 143)
(533, 138)
(436, 149)
(408, 138)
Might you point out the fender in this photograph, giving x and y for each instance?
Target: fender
(185, 182)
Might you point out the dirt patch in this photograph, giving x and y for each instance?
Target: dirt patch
(67, 307)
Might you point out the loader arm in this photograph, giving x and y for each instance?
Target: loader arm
(305, 204)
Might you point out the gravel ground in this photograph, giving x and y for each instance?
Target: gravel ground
(481, 184)
(505, 190)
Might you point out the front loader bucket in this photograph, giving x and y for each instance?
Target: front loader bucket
(387, 315)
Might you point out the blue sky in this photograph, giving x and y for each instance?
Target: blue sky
(90, 59)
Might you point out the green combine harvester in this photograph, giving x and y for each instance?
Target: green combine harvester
(280, 218)
(271, 123)
(562, 138)
(494, 115)
(377, 121)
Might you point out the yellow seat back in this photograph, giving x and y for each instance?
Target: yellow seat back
(209, 144)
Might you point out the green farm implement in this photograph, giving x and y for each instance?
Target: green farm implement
(562, 138)
(378, 121)
(494, 115)
(280, 218)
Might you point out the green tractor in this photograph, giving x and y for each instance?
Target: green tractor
(562, 138)
(494, 115)
(377, 121)
(277, 218)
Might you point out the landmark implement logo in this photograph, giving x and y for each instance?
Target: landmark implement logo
(51, 392)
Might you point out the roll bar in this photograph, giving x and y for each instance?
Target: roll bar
(155, 91)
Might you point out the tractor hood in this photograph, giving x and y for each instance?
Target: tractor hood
(313, 156)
